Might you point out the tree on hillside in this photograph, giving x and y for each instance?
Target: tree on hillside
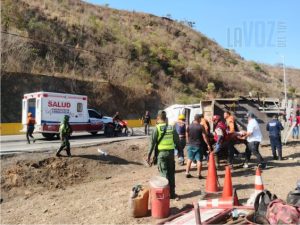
(210, 89)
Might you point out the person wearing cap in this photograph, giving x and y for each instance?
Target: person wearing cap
(254, 137)
(146, 121)
(220, 135)
(30, 127)
(180, 127)
(169, 140)
(196, 138)
(65, 131)
(275, 127)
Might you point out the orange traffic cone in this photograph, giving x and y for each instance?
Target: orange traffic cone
(227, 189)
(259, 186)
(211, 180)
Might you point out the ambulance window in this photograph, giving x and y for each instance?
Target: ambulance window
(79, 107)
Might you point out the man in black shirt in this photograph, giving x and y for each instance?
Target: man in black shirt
(196, 138)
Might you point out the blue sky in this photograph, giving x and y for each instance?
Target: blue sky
(258, 30)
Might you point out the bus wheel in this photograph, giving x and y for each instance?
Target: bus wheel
(94, 133)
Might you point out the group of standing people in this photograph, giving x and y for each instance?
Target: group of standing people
(166, 138)
(199, 141)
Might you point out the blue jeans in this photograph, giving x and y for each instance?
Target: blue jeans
(276, 145)
(296, 132)
(195, 153)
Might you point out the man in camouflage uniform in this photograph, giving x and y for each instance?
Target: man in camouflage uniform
(65, 131)
(165, 158)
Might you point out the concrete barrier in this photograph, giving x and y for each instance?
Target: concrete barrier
(14, 128)
(10, 128)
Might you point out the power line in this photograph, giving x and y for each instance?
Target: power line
(77, 48)
(63, 45)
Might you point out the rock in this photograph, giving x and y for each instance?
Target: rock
(46, 210)
(35, 165)
(134, 147)
(107, 177)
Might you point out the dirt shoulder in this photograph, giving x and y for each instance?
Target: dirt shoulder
(89, 188)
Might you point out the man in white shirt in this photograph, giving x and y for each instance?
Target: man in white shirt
(254, 137)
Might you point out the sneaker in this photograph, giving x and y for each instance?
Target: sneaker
(280, 158)
(200, 177)
(188, 175)
(275, 157)
(245, 165)
(58, 154)
(33, 141)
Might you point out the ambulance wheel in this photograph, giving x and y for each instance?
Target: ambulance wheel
(94, 133)
(48, 136)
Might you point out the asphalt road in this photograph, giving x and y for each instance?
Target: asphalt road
(14, 144)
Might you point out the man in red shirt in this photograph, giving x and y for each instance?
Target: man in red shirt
(295, 120)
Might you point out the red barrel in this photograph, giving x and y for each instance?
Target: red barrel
(160, 197)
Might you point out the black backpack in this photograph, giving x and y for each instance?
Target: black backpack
(261, 203)
(293, 198)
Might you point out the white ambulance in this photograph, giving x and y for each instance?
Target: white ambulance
(49, 108)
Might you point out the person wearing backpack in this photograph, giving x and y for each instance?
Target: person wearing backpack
(165, 139)
(275, 127)
(65, 131)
